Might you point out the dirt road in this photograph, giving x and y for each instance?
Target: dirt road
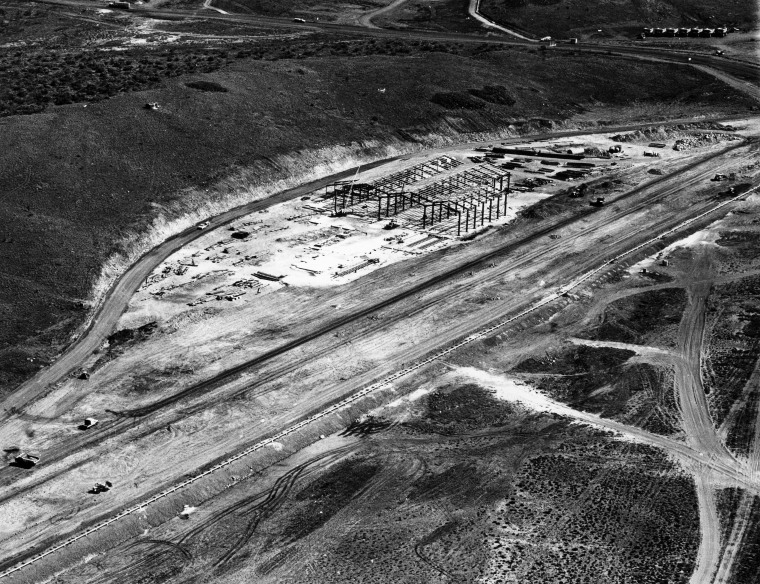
(560, 271)
(474, 10)
(366, 20)
(523, 254)
(116, 300)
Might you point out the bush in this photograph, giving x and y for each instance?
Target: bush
(456, 100)
(207, 86)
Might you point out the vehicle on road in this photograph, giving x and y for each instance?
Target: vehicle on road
(298, 20)
(203, 225)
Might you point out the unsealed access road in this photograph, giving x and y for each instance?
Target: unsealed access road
(627, 240)
(565, 271)
(117, 298)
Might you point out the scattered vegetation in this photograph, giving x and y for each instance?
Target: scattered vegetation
(734, 348)
(650, 317)
(562, 18)
(494, 94)
(573, 375)
(456, 100)
(324, 497)
(461, 409)
(31, 82)
(747, 563)
(448, 15)
(207, 86)
(574, 511)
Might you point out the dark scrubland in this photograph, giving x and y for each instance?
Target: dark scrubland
(563, 18)
(747, 566)
(308, 9)
(456, 412)
(508, 494)
(322, 499)
(649, 317)
(573, 376)
(78, 182)
(734, 349)
(30, 82)
(443, 15)
(727, 502)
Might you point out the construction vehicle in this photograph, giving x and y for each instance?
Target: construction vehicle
(598, 203)
(101, 488)
(719, 177)
(89, 423)
(187, 510)
(391, 225)
(25, 461)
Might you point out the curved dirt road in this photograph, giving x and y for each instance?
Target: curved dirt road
(116, 300)
(474, 10)
(366, 20)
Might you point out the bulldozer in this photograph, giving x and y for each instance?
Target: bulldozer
(26, 461)
(101, 488)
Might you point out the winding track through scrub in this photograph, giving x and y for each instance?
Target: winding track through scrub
(366, 20)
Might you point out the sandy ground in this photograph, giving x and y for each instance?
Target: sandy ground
(196, 341)
(301, 243)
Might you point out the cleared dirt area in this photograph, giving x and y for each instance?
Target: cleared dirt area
(105, 174)
(180, 385)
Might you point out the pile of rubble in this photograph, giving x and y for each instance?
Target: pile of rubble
(697, 140)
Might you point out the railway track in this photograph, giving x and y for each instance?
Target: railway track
(115, 302)
(212, 390)
(718, 465)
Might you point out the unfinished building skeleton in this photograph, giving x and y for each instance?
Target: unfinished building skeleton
(461, 201)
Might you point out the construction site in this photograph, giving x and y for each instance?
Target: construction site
(379, 292)
(445, 367)
(351, 228)
(384, 404)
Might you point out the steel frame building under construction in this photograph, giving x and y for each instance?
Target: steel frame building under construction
(471, 196)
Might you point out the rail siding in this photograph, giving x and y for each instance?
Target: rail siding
(386, 382)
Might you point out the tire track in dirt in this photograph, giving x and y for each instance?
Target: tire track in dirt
(720, 465)
(263, 504)
(733, 543)
(708, 554)
(700, 433)
(736, 537)
(207, 387)
(107, 430)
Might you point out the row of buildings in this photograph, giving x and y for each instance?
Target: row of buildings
(687, 32)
